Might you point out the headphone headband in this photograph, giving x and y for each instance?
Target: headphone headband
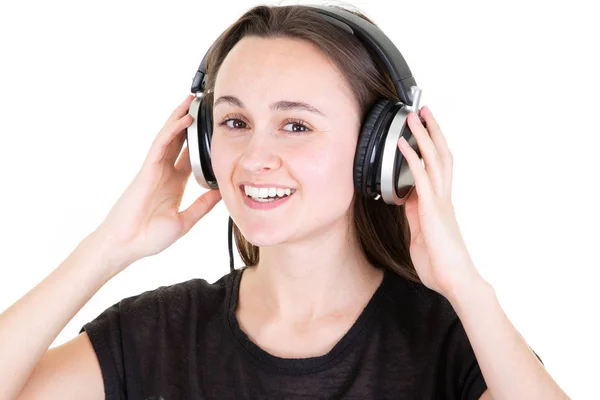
(370, 35)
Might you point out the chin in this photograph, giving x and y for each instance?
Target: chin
(262, 235)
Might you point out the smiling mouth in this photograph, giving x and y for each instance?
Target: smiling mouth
(280, 195)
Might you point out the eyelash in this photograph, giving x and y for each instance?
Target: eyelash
(228, 118)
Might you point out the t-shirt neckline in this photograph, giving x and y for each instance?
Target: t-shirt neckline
(347, 343)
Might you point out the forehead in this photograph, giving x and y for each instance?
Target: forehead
(281, 68)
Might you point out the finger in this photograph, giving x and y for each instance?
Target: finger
(174, 148)
(183, 165)
(182, 108)
(436, 133)
(178, 113)
(165, 146)
(199, 209)
(441, 144)
(422, 181)
(431, 158)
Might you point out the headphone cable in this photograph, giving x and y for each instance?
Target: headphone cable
(229, 241)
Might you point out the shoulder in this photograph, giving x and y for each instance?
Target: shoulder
(424, 318)
(415, 304)
(180, 303)
(155, 312)
(195, 293)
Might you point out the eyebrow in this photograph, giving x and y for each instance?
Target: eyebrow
(281, 105)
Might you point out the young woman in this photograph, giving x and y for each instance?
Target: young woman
(342, 295)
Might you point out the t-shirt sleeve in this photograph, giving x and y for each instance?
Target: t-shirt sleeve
(125, 337)
(143, 342)
(105, 335)
(464, 378)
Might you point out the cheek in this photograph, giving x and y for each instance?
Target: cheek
(327, 171)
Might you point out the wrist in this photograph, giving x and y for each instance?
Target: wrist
(113, 258)
(468, 290)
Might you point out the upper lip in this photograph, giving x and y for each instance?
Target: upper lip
(265, 185)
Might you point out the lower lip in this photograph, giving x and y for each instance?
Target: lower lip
(257, 205)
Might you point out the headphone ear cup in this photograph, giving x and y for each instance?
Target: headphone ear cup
(367, 160)
(205, 131)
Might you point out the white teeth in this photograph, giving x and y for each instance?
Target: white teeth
(262, 193)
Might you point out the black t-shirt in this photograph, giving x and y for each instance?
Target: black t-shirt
(184, 342)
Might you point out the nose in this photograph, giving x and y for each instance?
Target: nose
(260, 156)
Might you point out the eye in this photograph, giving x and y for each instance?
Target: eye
(236, 122)
(298, 123)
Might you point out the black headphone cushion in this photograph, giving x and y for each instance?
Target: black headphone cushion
(205, 126)
(369, 128)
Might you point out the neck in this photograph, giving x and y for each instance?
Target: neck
(301, 282)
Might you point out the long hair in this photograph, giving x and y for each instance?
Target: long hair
(382, 229)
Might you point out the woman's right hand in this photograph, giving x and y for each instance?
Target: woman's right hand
(146, 219)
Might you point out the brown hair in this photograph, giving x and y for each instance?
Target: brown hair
(382, 229)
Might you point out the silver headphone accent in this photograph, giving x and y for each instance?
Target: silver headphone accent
(404, 180)
(192, 141)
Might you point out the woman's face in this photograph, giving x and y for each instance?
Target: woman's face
(258, 144)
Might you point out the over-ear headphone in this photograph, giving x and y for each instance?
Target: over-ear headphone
(380, 169)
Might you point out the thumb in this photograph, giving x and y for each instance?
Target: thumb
(198, 209)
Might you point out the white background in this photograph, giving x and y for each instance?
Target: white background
(85, 87)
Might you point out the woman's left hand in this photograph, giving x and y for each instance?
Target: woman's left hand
(437, 248)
